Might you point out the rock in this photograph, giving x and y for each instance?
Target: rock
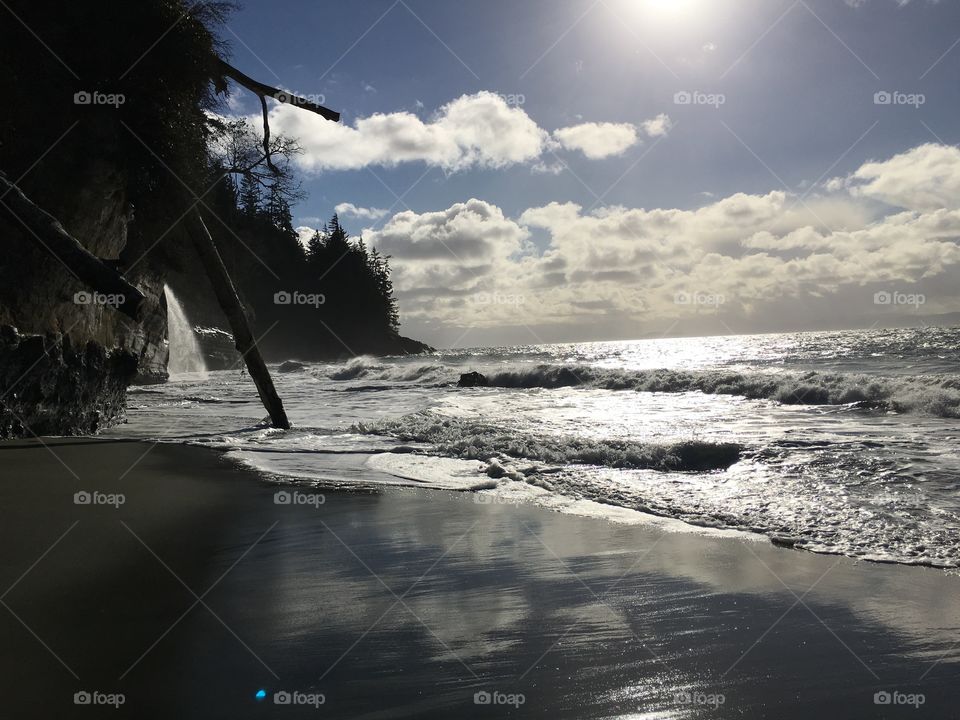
(408, 346)
(291, 366)
(58, 388)
(219, 349)
(472, 379)
(784, 541)
(497, 470)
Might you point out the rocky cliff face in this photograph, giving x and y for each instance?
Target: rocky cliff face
(66, 355)
(54, 387)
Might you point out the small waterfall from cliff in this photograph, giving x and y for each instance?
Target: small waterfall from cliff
(185, 355)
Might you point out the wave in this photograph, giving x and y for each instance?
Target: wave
(368, 368)
(933, 395)
(476, 440)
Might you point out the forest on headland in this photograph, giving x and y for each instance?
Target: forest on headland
(329, 297)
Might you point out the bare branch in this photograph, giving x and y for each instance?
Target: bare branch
(262, 90)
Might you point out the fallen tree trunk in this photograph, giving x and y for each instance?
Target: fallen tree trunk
(90, 270)
(226, 293)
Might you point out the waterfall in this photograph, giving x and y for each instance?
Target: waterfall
(185, 355)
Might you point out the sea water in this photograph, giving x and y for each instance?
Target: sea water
(841, 442)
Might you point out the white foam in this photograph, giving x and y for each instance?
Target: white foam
(433, 472)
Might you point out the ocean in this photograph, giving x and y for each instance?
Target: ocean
(836, 442)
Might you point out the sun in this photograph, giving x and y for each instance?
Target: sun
(669, 8)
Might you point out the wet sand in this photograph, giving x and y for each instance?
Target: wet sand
(199, 590)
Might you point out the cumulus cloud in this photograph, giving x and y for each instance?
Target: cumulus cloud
(304, 233)
(923, 178)
(473, 131)
(658, 126)
(346, 209)
(598, 140)
(765, 254)
(478, 130)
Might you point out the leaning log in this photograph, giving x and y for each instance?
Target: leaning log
(90, 270)
(226, 293)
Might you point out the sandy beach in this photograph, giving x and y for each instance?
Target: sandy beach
(196, 590)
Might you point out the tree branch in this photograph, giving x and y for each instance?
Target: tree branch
(47, 231)
(263, 90)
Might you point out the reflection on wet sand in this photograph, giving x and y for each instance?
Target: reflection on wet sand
(410, 603)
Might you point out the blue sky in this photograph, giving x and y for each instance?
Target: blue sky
(798, 82)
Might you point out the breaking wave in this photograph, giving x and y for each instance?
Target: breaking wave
(475, 440)
(368, 368)
(932, 394)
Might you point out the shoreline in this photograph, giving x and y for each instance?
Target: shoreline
(405, 602)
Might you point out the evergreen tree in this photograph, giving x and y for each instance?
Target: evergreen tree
(251, 196)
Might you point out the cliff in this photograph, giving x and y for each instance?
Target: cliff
(91, 150)
(112, 137)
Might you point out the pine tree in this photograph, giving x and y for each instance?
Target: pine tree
(251, 196)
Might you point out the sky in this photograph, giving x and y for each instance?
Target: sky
(564, 170)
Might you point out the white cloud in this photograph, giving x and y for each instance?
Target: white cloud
(350, 210)
(769, 255)
(472, 131)
(658, 126)
(923, 178)
(304, 233)
(482, 130)
(598, 140)
(450, 252)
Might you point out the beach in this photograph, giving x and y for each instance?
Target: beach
(197, 589)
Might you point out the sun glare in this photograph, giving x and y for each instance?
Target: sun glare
(668, 8)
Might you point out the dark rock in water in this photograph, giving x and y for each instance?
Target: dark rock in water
(218, 348)
(57, 388)
(784, 541)
(472, 379)
(291, 366)
(706, 456)
(409, 346)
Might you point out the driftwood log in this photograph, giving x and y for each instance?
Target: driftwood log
(226, 293)
(223, 286)
(90, 270)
